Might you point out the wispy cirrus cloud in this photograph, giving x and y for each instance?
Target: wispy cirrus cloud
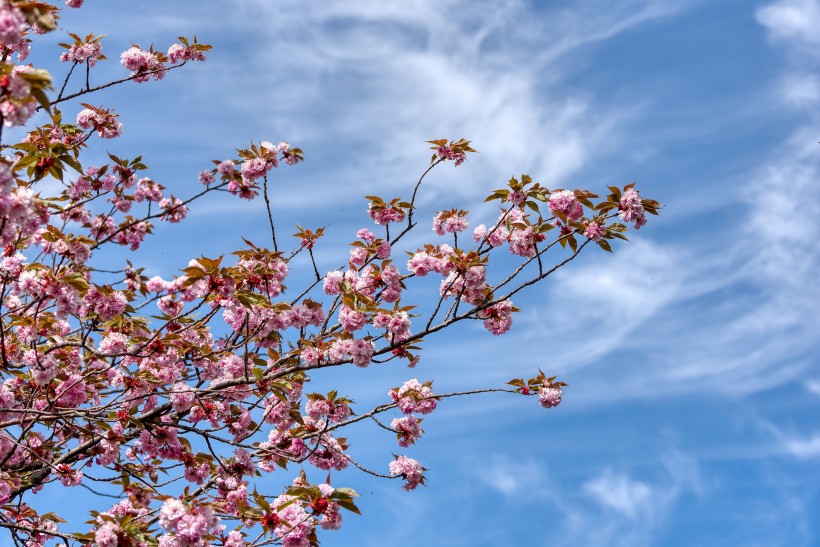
(610, 506)
(728, 313)
(405, 73)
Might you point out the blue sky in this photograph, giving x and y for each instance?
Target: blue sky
(692, 353)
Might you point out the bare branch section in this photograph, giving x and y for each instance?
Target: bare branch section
(167, 397)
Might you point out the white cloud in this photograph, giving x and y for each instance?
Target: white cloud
(610, 506)
(801, 90)
(805, 447)
(629, 497)
(794, 24)
(520, 478)
(634, 509)
(427, 69)
(813, 386)
(793, 444)
(793, 21)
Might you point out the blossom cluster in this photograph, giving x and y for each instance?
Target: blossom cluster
(143, 64)
(175, 393)
(87, 50)
(383, 213)
(257, 162)
(498, 317)
(12, 28)
(186, 525)
(631, 208)
(17, 104)
(414, 397)
(103, 121)
(452, 221)
(409, 469)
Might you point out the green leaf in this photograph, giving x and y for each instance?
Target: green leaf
(349, 505)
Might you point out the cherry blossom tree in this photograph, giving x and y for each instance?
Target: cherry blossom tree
(176, 395)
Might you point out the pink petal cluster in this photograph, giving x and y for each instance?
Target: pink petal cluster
(80, 53)
(226, 168)
(450, 222)
(423, 262)
(447, 153)
(280, 442)
(187, 524)
(549, 397)
(148, 190)
(143, 64)
(17, 113)
(267, 159)
(322, 408)
(15, 85)
(107, 530)
(498, 317)
(520, 235)
(385, 215)
(294, 524)
(408, 429)
(517, 198)
(175, 211)
(358, 256)
(12, 24)
(523, 242)
(206, 177)
(255, 168)
(360, 351)
(330, 454)
(631, 208)
(106, 534)
(565, 202)
(106, 305)
(104, 122)
(470, 286)
(182, 397)
(396, 323)
(409, 469)
(594, 231)
(178, 53)
(496, 237)
(266, 276)
(332, 283)
(132, 235)
(114, 343)
(413, 396)
(17, 104)
(351, 320)
(68, 476)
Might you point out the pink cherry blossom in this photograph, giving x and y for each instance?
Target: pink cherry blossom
(104, 122)
(175, 211)
(565, 202)
(594, 231)
(414, 397)
(82, 52)
(408, 430)
(631, 208)
(452, 221)
(106, 535)
(409, 469)
(498, 317)
(332, 283)
(143, 65)
(12, 24)
(549, 397)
